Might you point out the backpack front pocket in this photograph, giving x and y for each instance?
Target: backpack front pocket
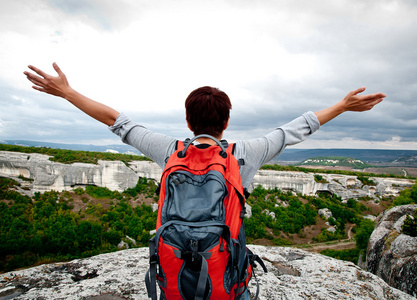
(194, 198)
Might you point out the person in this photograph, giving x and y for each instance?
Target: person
(207, 111)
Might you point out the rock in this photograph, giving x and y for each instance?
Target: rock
(133, 241)
(116, 175)
(146, 169)
(248, 210)
(48, 175)
(331, 229)
(392, 255)
(299, 182)
(325, 213)
(154, 206)
(293, 274)
(281, 203)
(370, 217)
(122, 245)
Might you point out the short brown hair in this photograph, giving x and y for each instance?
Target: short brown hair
(207, 110)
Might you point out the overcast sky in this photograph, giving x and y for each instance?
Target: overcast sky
(275, 60)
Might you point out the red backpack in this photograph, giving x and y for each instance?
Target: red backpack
(199, 250)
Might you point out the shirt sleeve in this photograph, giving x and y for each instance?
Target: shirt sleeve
(257, 152)
(154, 145)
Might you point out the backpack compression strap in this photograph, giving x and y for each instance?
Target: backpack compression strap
(150, 277)
(253, 258)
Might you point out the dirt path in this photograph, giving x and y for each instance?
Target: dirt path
(317, 248)
(348, 243)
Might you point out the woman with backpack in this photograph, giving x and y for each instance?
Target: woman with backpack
(202, 255)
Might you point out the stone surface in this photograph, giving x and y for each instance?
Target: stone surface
(325, 213)
(392, 255)
(115, 175)
(293, 274)
(48, 175)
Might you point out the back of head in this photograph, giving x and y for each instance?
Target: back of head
(207, 111)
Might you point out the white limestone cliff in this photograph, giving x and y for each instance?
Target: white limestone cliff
(115, 175)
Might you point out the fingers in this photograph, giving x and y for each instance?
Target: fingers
(38, 88)
(57, 69)
(374, 96)
(39, 81)
(33, 78)
(371, 100)
(358, 91)
(38, 71)
(372, 103)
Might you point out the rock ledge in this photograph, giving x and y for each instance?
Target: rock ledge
(293, 274)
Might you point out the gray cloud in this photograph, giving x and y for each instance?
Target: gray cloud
(352, 43)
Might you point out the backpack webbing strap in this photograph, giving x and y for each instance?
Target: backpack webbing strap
(257, 286)
(202, 279)
(150, 277)
(240, 290)
(253, 258)
(242, 204)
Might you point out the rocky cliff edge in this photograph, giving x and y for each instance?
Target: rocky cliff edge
(293, 274)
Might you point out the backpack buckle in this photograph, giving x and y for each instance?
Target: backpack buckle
(153, 259)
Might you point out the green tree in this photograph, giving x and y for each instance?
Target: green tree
(363, 233)
(88, 235)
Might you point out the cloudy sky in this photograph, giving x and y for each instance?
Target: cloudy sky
(275, 60)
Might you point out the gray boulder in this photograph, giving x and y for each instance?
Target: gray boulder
(392, 255)
(325, 213)
(293, 274)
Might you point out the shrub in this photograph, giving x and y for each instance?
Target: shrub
(406, 196)
(348, 254)
(410, 225)
(366, 181)
(79, 191)
(320, 179)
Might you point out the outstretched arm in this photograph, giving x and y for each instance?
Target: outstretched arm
(352, 102)
(59, 86)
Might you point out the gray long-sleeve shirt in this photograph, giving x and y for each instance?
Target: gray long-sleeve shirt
(255, 152)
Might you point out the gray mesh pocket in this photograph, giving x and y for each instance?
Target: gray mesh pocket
(194, 198)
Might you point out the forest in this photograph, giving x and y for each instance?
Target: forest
(60, 226)
(46, 228)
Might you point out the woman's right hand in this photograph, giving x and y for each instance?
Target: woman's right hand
(58, 86)
(53, 85)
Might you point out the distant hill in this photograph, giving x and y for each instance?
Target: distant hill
(125, 149)
(370, 156)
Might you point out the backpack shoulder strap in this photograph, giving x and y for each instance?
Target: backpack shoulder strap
(241, 161)
(224, 143)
